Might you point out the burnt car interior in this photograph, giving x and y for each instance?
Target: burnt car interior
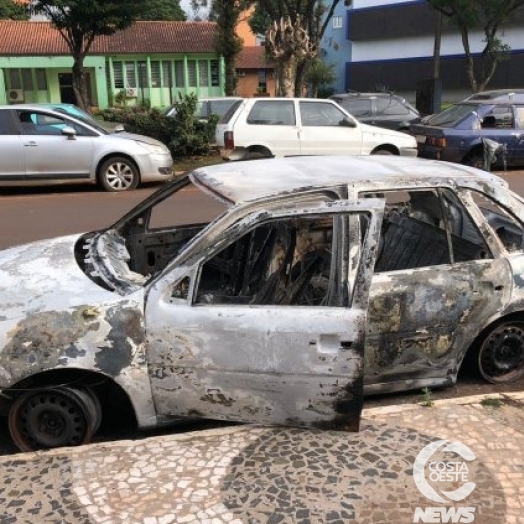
(297, 261)
(415, 231)
(280, 262)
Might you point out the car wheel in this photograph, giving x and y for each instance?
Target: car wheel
(382, 152)
(118, 174)
(501, 354)
(254, 155)
(54, 417)
(475, 159)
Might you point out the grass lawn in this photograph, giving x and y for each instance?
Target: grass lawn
(183, 165)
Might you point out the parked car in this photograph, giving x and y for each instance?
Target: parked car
(40, 147)
(262, 127)
(209, 106)
(457, 134)
(80, 114)
(307, 277)
(379, 109)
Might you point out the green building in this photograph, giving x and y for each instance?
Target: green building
(153, 61)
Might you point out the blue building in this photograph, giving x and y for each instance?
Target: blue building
(388, 45)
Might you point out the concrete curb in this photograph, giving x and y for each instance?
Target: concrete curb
(460, 401)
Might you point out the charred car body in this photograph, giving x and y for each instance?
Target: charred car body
(309, 280)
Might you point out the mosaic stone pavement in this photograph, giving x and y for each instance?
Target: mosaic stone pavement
(253, 474)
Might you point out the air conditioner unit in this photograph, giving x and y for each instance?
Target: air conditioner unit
(131, 92)
(16, 95)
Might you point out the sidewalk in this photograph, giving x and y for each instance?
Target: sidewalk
(254, 474)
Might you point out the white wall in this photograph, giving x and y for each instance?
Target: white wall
(362, 4)
(422, 46)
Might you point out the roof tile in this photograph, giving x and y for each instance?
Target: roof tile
(253, 57)
(20, 38)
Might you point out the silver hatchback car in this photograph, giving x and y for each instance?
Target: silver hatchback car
(40, 146)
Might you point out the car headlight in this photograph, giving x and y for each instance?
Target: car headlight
(153, 148)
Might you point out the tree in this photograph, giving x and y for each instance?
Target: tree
(164, 10)
(488, 15)
(320, 76)
(10, 10)
(229, 44)
(288, 44)
(81, 21)
(313, 17)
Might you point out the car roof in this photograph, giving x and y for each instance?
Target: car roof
(34, 107)
(497, 96)
(355, 94)
(238, 182)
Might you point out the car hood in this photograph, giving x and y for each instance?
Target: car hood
(138, 138)
(44, 276)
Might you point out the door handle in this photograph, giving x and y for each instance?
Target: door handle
(31, 144)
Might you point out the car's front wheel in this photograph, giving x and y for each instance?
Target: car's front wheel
(54, 417)
(500, 357)
(118, 174)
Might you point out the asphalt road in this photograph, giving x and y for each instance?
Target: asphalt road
(29, 214)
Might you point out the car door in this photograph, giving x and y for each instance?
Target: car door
(436, 285)
(498, 124)
(326, 130)
(270, 123)
(12, 166)
(518, 133)
(269, 325)
(49, 154)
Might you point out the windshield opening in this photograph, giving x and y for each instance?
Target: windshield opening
(149, 237)
(452, 115)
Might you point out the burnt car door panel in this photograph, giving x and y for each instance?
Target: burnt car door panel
(270, 327)
(436, 286)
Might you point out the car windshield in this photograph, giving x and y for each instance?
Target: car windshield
(452, 115)
(83, 117)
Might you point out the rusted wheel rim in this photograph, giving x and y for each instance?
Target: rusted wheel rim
(501, 357)
(50, 418)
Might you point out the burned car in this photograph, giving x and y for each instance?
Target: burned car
(307, 280)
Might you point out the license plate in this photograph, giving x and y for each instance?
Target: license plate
(421, 139)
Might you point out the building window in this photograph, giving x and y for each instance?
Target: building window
(155, 73)
(203, 73)
(130, 74)
(337, 22)
(167, 76)
(179, 74)
(191, 73)
(14, 79)
(215, 73)
(27, 79)
(262, 80)
(41, 80)
(142, 74)
(118, 74)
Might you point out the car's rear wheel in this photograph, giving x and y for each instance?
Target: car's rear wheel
(54, 417)
(500, 357)
(475, 159)
(118, 174)
(382, 152)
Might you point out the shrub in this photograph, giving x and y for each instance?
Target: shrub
(183, 134)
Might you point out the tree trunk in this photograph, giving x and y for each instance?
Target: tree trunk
(470, 66)
(287, 72)
(79, 84)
